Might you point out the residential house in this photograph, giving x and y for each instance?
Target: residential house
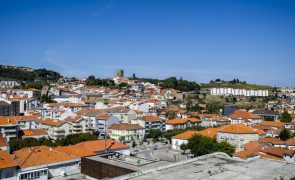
(240, 116)
(267, 114)
(237, 135)
(4, 146)
(184, 137)
(56, 129)
(42, 162)
(101, 146)
(34, 133)
(26, 122)
(286, 154)
(151, 122)
(272, 129)
(182, 123)
(103, 121)
(78, 124)
(8, 167)
(74, 107)
(9, 108)
(124, 114)
(211, 120)
(8, 127)
(127, 132)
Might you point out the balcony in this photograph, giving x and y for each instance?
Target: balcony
(59, 132)
(10, 130)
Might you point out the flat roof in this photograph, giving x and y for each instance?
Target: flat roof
(129, 162)
(218, 168)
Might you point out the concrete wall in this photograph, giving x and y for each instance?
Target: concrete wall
(6, 171)
(237, 140)
(100, 170)
(177, 142)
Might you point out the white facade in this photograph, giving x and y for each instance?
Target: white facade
(175, 144)
(237, 140)
(237, 92)
(127, 134)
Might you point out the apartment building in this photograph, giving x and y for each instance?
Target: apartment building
(126, 132)
(237, 92)
(237, 135)
(56, 129)
(151, 122)
(182, 123)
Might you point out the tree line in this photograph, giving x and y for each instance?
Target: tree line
(19, 143)
(20, 74)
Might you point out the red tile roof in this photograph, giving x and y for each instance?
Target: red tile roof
(34, 132)
(39, 155)
(51, 122)
(244, 115)
(125, 126)
(152, 118)
(182, 121)
(210, 132)
(6, 160)
(237, 129)
(99, 145)
(272, 124)
(3, 141)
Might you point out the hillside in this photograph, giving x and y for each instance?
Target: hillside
(173, 82)
(237, 86)
(27, 74)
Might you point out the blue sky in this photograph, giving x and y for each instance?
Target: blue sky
(253, 40)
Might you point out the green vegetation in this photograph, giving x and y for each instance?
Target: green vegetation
(236, 83)
(92, 81)
(201, 145)
(154, 134)
(285, 134)
(19, 143)
(28, 74)
(183, 147)
(285, 117)
(214, 108)
(45, 98)
(174, 83)
(134, 144)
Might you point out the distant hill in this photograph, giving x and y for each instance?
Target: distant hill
(27, 74)
(173, 82)
(237, 86)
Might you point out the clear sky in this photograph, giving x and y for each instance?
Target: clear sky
(253, 40)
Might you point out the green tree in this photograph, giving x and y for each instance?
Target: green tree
(201, 145)
(134, 144)
(225, 147)
(122, 138)
(183, 147)
(285, 117)
(91, 81)
(285, 134)
(154, 134)
(234, 100)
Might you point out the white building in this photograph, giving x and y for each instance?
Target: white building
(237, 92)
(237, 135)
(126, 131)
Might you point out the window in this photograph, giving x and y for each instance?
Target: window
(8, 174)
(222, 137)
(24, 176)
